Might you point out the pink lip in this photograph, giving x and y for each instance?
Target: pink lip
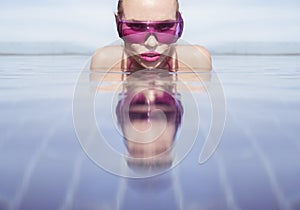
(150, 56)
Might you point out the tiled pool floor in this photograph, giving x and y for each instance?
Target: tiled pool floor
(256, 166)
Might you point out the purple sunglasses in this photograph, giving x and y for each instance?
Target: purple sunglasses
(166, 32)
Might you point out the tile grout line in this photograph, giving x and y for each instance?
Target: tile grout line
(224, 182)
(22, 121)
(34, 160)
(73, 184)
(122, 189)
(274, 184)
(177, 188)
(273, 181)
(13, 131)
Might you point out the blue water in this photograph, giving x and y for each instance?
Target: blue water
(256, 165)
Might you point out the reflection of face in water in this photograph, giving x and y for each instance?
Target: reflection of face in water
(149, 115)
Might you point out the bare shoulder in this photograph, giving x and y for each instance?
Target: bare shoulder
(204, 51)
(194, 56)
(106, 57)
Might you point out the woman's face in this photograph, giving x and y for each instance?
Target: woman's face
(151, 53)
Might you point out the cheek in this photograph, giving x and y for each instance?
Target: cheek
(164, 49)
(134, 48)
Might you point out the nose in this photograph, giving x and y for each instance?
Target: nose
(151, 41)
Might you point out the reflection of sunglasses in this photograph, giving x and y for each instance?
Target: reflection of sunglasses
(137, 31)
(139, 104)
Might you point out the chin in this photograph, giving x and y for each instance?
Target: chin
(150, 65)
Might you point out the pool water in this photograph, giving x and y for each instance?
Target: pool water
(256, 165)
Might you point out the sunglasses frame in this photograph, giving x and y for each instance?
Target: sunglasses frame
(178, 32)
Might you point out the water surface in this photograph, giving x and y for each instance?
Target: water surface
(256, 165)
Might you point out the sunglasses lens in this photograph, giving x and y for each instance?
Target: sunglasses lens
(135, 37)
(137, 32)
(166, 38)
(165, 27)
(141, 37)
(136, 27)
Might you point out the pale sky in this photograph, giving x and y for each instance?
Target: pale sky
(92, 22)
